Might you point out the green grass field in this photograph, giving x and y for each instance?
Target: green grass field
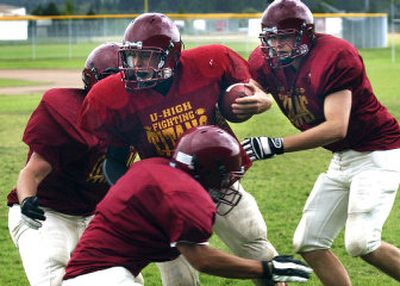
(280, 185)
(15, 83)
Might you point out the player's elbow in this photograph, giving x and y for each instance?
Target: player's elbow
(338, 131)
(340, 134)
(201, 265)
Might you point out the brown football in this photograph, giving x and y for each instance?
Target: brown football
(231, 93)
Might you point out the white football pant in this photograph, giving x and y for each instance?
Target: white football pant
(357, 192)
(243, 230)
(114, 276)
(46, 251)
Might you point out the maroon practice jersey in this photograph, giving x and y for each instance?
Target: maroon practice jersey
(76, 183)
(153, 122)
(151, 208)
(331, 65)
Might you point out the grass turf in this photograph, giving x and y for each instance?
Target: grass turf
(280, 185)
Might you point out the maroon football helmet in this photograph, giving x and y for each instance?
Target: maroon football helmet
(284, 21)
(100, 63)
(150, 51)
(212, 156)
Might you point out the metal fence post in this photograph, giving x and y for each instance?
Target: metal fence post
(33, 33)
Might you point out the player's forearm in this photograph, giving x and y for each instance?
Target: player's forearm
(233, 267)
(321, 135)
(31, 175)
(216, 262)
(27, 184)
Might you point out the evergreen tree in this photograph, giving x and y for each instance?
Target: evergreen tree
(69, 7)
(51, 10)
(38, 10)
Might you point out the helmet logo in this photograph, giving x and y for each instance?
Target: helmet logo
(133, 45)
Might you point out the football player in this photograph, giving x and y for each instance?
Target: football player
(320, 84)
(62, 181)
(163, 91)
(162, 208)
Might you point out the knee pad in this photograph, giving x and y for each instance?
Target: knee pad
(360, 240)
(301, 242)
(244, 230)
(307, 239)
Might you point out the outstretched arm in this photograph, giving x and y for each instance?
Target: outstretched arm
(216, 262)
(337, 108)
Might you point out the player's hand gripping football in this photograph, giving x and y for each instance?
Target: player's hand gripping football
(258, 148)
(32, 214)
(284, 268)
(248, 106)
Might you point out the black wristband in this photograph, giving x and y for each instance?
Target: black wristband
(276, 145)
(266, 270)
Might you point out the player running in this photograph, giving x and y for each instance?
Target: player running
(320, 84)
(163, 91)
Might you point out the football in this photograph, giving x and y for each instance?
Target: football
(230, 95)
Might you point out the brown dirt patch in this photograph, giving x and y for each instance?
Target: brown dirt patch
(50, 79)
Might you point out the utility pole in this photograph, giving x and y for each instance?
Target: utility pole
(366, 6)
(393, 14)
(146, 6)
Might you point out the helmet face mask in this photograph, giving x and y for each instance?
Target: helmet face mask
(287, 32)
(150, 51)
(145, 67)
(282, 46)
(213, 158)
(225, 199)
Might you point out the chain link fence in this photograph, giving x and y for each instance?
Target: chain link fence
(58, 37)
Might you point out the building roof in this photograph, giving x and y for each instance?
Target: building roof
(9, 10)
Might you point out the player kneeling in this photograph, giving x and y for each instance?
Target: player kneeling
(169, 210)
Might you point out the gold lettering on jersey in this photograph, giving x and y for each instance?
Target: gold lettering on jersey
(131, 157)
(153, 117)
(168, 125)
(96, 174)
(295, 105)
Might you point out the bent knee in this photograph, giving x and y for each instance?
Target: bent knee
(360, 247)
(305, 240)
(355, 248)
(301, 246)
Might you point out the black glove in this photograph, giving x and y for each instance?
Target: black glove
(285, 268)
(32, 214)
(258, 148)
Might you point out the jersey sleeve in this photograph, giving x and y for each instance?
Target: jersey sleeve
(194, 219)
(236, 68)
(45, 136)
(259, 67)
(191, 218)
(344, 72)
(100, 110)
